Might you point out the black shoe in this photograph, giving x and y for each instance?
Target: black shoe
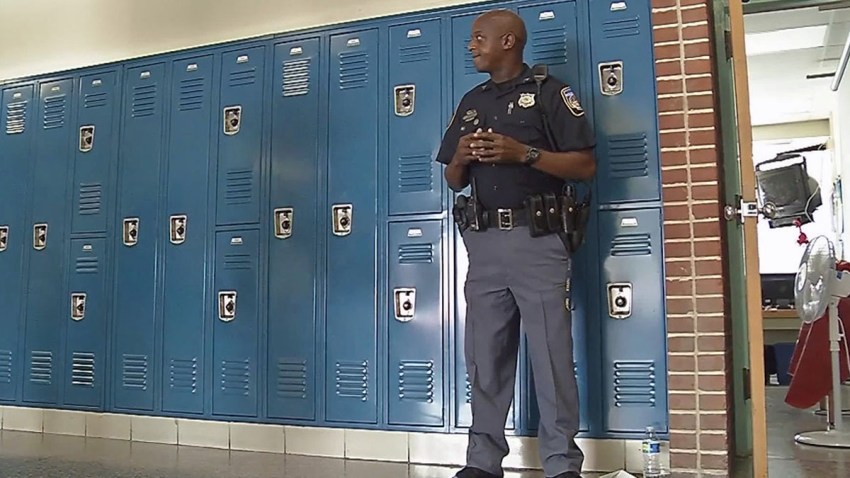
(470, 472)
(568, 474)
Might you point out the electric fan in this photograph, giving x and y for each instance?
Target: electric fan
(818, 287)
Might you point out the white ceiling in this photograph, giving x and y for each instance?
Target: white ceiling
(782, 49)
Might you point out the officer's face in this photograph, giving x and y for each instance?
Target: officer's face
(486, 44)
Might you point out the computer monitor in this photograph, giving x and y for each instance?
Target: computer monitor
(777, 291)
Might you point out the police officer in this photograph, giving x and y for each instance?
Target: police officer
(497, 142)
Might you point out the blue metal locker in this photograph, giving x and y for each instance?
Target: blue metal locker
(464, 75)
(240, 136)
(351, 333)
(624, 80)
(293, 250)
(236, 317)
(85, 340)
(634, 339)
(16, 131)
(45, 285)
(415, 119)
(95, 151)
(136, 240)
(415, 324)
(553, 39)
(186, 228)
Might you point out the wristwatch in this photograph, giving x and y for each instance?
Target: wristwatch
(531, 156)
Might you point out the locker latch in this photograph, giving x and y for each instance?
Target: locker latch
(78, 306)
(232, 119)
(86, 138)
(39, 236)
(404, 99)
(620, 300)
(178, 229)
(283, 222)
(342, 217)
(4, 237)
(405, 304)
(611, 78)
(227, 305)
(131, 231)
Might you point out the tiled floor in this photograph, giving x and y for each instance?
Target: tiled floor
(48, 456)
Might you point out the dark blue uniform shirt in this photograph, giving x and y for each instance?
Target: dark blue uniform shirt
(513, 109)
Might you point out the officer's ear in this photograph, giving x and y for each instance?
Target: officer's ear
(508, 41)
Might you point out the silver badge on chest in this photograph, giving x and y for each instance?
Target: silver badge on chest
(526, 100)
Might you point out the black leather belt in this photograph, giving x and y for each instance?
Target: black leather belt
(507, 218)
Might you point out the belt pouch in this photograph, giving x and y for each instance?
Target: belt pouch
(552, 212)
(536, 213)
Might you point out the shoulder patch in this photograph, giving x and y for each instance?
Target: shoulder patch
(571, 101)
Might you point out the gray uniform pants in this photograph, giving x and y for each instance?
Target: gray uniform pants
(511, 276)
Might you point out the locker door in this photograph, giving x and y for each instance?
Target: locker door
(137, 230)
(553, 39)
(94, 151)
(416, 123)
(16, 131)
(634, 338)
(351, 273)
(184, 236)
(85, 341)
(240, 136)
(292, 250)
(45, 285)
(464, 75)
(236, 318)
(627, 143)
(415, 325)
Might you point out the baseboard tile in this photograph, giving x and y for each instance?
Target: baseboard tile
(416, 448)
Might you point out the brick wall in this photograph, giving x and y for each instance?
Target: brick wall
(699, 366)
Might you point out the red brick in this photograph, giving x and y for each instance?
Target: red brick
(677, 213)
(670, 87)
(668, 68)
(673, 158)
(694, 15)
(711, 343)
(697, 85)
(679, 269)
(681, 344)
(699, 175)
(709, 267)
(668, 52)
(714, 403)
(688, 3)
(674, 140)
(663, 3)
(702, 120)
(711, 363)
(680, 459)
(704, 192)
(703, 156)
(675, 194)
(683, 440)
(677, 231)
(708, 249)
(710, 305)
(680, 325)
(702, 138)
(675, 103)
(695, 32)
(697, 67)
(710, 286)
(682, 363)
(664, 35)
(673, 176)
(683, 401)
(713, 422)
(680, 287)
(713, 442)
(700, 102)
(706, 211)
(714, 462)
(683, 422)
(694, 50)
(707, 229)
(712, 383)
(674, 121)
(682, 383)
(669, 17)
(710, 325)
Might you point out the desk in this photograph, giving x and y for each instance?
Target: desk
(780, 325)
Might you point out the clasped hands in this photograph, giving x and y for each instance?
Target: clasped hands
(490, 147)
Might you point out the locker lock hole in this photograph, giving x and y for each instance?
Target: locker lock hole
(405, 304)
(4, 237)
(283, 222)
(86, 138)
(232, 119)
(227, 306)
(39, 236)
(620, 300)
(342, 219)
(131, 231)
(611, 78)
(178, 229)
(78, 306)
(404, 99)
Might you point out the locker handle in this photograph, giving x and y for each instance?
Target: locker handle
(78, 306)
(227, 305)
(283, 222)
(4, 237)
(405, 303)
(39, 236)
(86, 138)
(131, 231)
(177, 230)
(343, 216)
(620, 300)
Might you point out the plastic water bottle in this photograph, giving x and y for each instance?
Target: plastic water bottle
(651, 448)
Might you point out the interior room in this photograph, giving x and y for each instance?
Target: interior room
(792, 57)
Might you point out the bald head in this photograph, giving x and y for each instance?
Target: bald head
(504, 22)
(497, 42)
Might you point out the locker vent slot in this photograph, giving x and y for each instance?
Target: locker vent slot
(144, 101)
(82, 369)
(621, 28)
(87, 265)
(634, 384)
(184, 375)
(628, 156)
(95, 100)
(353, 70)
(549, 45)
(135, 372)
(414, 174)
(16, 117)
(192, 94)
(416, 254)
(292, 378)
(631, 245)
(414, 53)
(468, 389)
(245, 77)
(352, 380)
(416, 381)
(90, 198)
(5, 366)
(235, 262)
(236, 377)
(239, 186)
(295, 77)
(54, 112)
(468, 64)
(41, 368)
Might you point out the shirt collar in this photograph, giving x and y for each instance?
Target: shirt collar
(524, 77)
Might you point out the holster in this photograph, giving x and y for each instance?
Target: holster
(468, 214)
(575, 216)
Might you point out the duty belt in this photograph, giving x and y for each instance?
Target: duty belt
(506, 218)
